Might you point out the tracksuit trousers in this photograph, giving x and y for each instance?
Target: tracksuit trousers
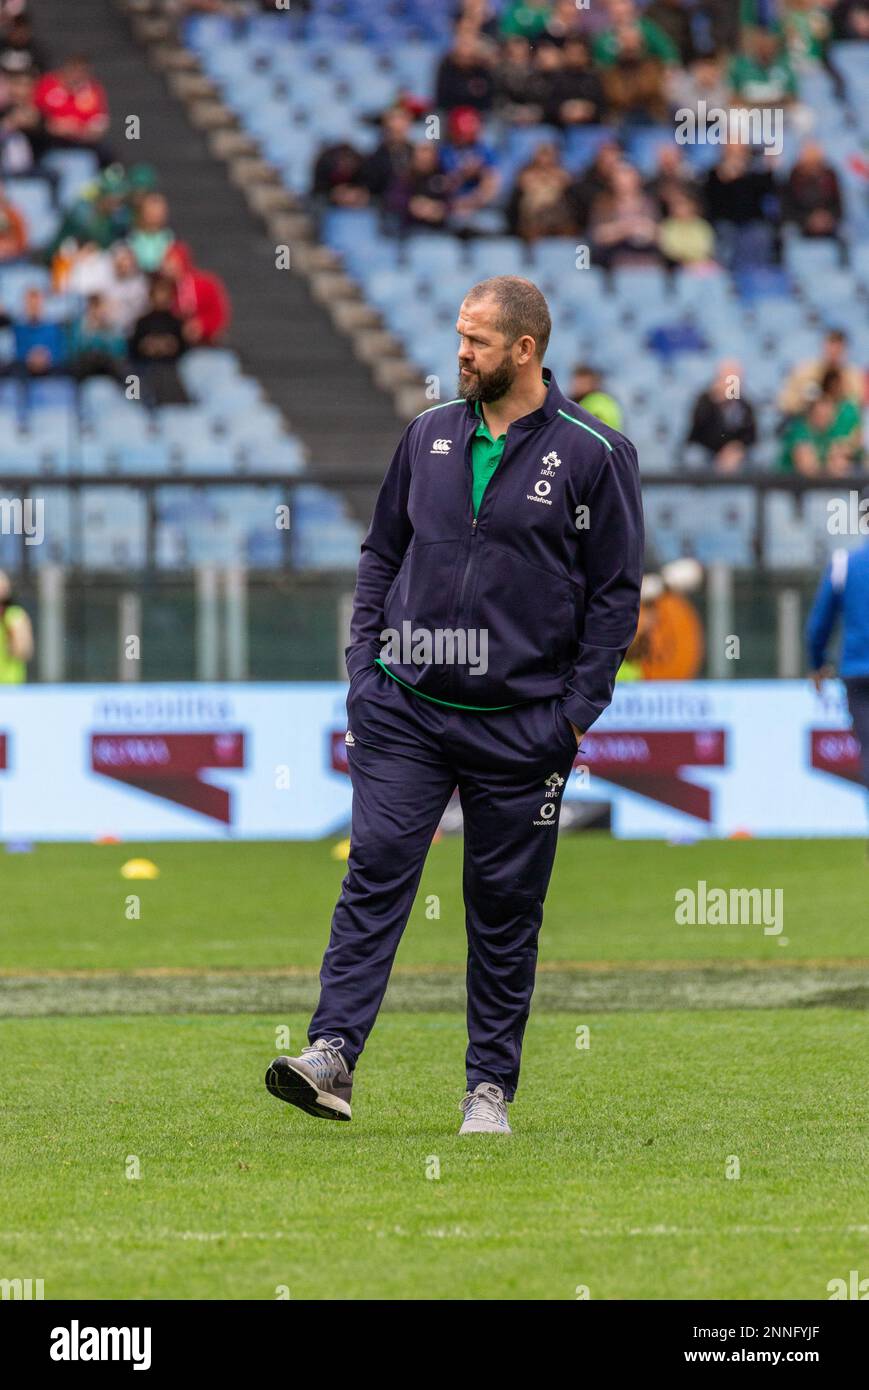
(406, 756)
(857, 688)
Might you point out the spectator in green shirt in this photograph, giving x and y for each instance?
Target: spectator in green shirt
(827, 438)
(586, 388)
(625, 15)
(762, 74)
(16, 637)
(526, 18)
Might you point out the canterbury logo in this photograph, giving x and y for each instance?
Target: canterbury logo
(442, 446)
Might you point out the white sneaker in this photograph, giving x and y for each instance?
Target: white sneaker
(485, 1110)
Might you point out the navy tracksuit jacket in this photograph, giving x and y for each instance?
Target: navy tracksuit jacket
(843, 595)
(549, 571)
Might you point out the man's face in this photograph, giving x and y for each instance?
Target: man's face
(486, 366)
(835, 351)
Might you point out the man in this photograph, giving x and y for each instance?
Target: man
(16, 637)
(797, 389)
(843, 595)
(471, 167)
(587, 387)
(40, 343)
(504, 561)
(74, 108)
(723, 422)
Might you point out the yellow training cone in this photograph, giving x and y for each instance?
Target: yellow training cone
(140, 868)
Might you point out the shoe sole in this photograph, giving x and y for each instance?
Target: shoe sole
(286, 1083)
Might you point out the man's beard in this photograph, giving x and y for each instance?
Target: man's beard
(488, 386)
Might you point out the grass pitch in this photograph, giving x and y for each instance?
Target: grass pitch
(142, 1157)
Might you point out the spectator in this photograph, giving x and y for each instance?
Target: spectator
(19, 43)
(101, 218)
(200, 301)
(392, 156)
(127, 289)
(686, 238)
(740, 204)
(587, 389)
(848, 416)
(624, 15)
(74, 108)
(634, 81)
(40, 345)
(339, 176)
(526, 17)
(577, 96)
(22, 137)
(723, 422)
(151, 235)
(850, 19)
(518, 96)
(421, 194)
(762, 74)
(705, 81)
(16, 637)
(623, 223)
(673, 18)
(812, 197)
(539, 205)
(13, 231)
(807, 28)
(470, 167)
(156, 345)
(595, 180)
(481, 15)
(464, 77)
(819, 442)
(97, 347)
(805, 379)
(566, 21)
(674, 176)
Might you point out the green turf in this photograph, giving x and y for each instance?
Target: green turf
(706, 1042)
(259, 906)
(614, 1178)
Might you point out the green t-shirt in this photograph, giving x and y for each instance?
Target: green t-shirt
(656, 43)
(603, 407)
(12, 671)
(801, 431)
(756, 82)
(528, 21)
(486, 454)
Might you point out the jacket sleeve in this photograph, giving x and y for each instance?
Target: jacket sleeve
(822, 620)
(382, 553)
(611, 552)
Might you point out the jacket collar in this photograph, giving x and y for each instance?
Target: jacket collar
(553, 402)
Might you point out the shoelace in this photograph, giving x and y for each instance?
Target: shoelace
(478, 1105)
(324, 1053)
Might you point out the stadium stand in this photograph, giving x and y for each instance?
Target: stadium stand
(97, 380)
(658, 264)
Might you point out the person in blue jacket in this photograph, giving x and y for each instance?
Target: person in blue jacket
(843, 599)
(498, 591)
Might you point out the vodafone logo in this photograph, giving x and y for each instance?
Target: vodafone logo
(541, 492)
(547, 813)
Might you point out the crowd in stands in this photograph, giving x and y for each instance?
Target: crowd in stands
(553, 68)
(550, 63)
(127, 297)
